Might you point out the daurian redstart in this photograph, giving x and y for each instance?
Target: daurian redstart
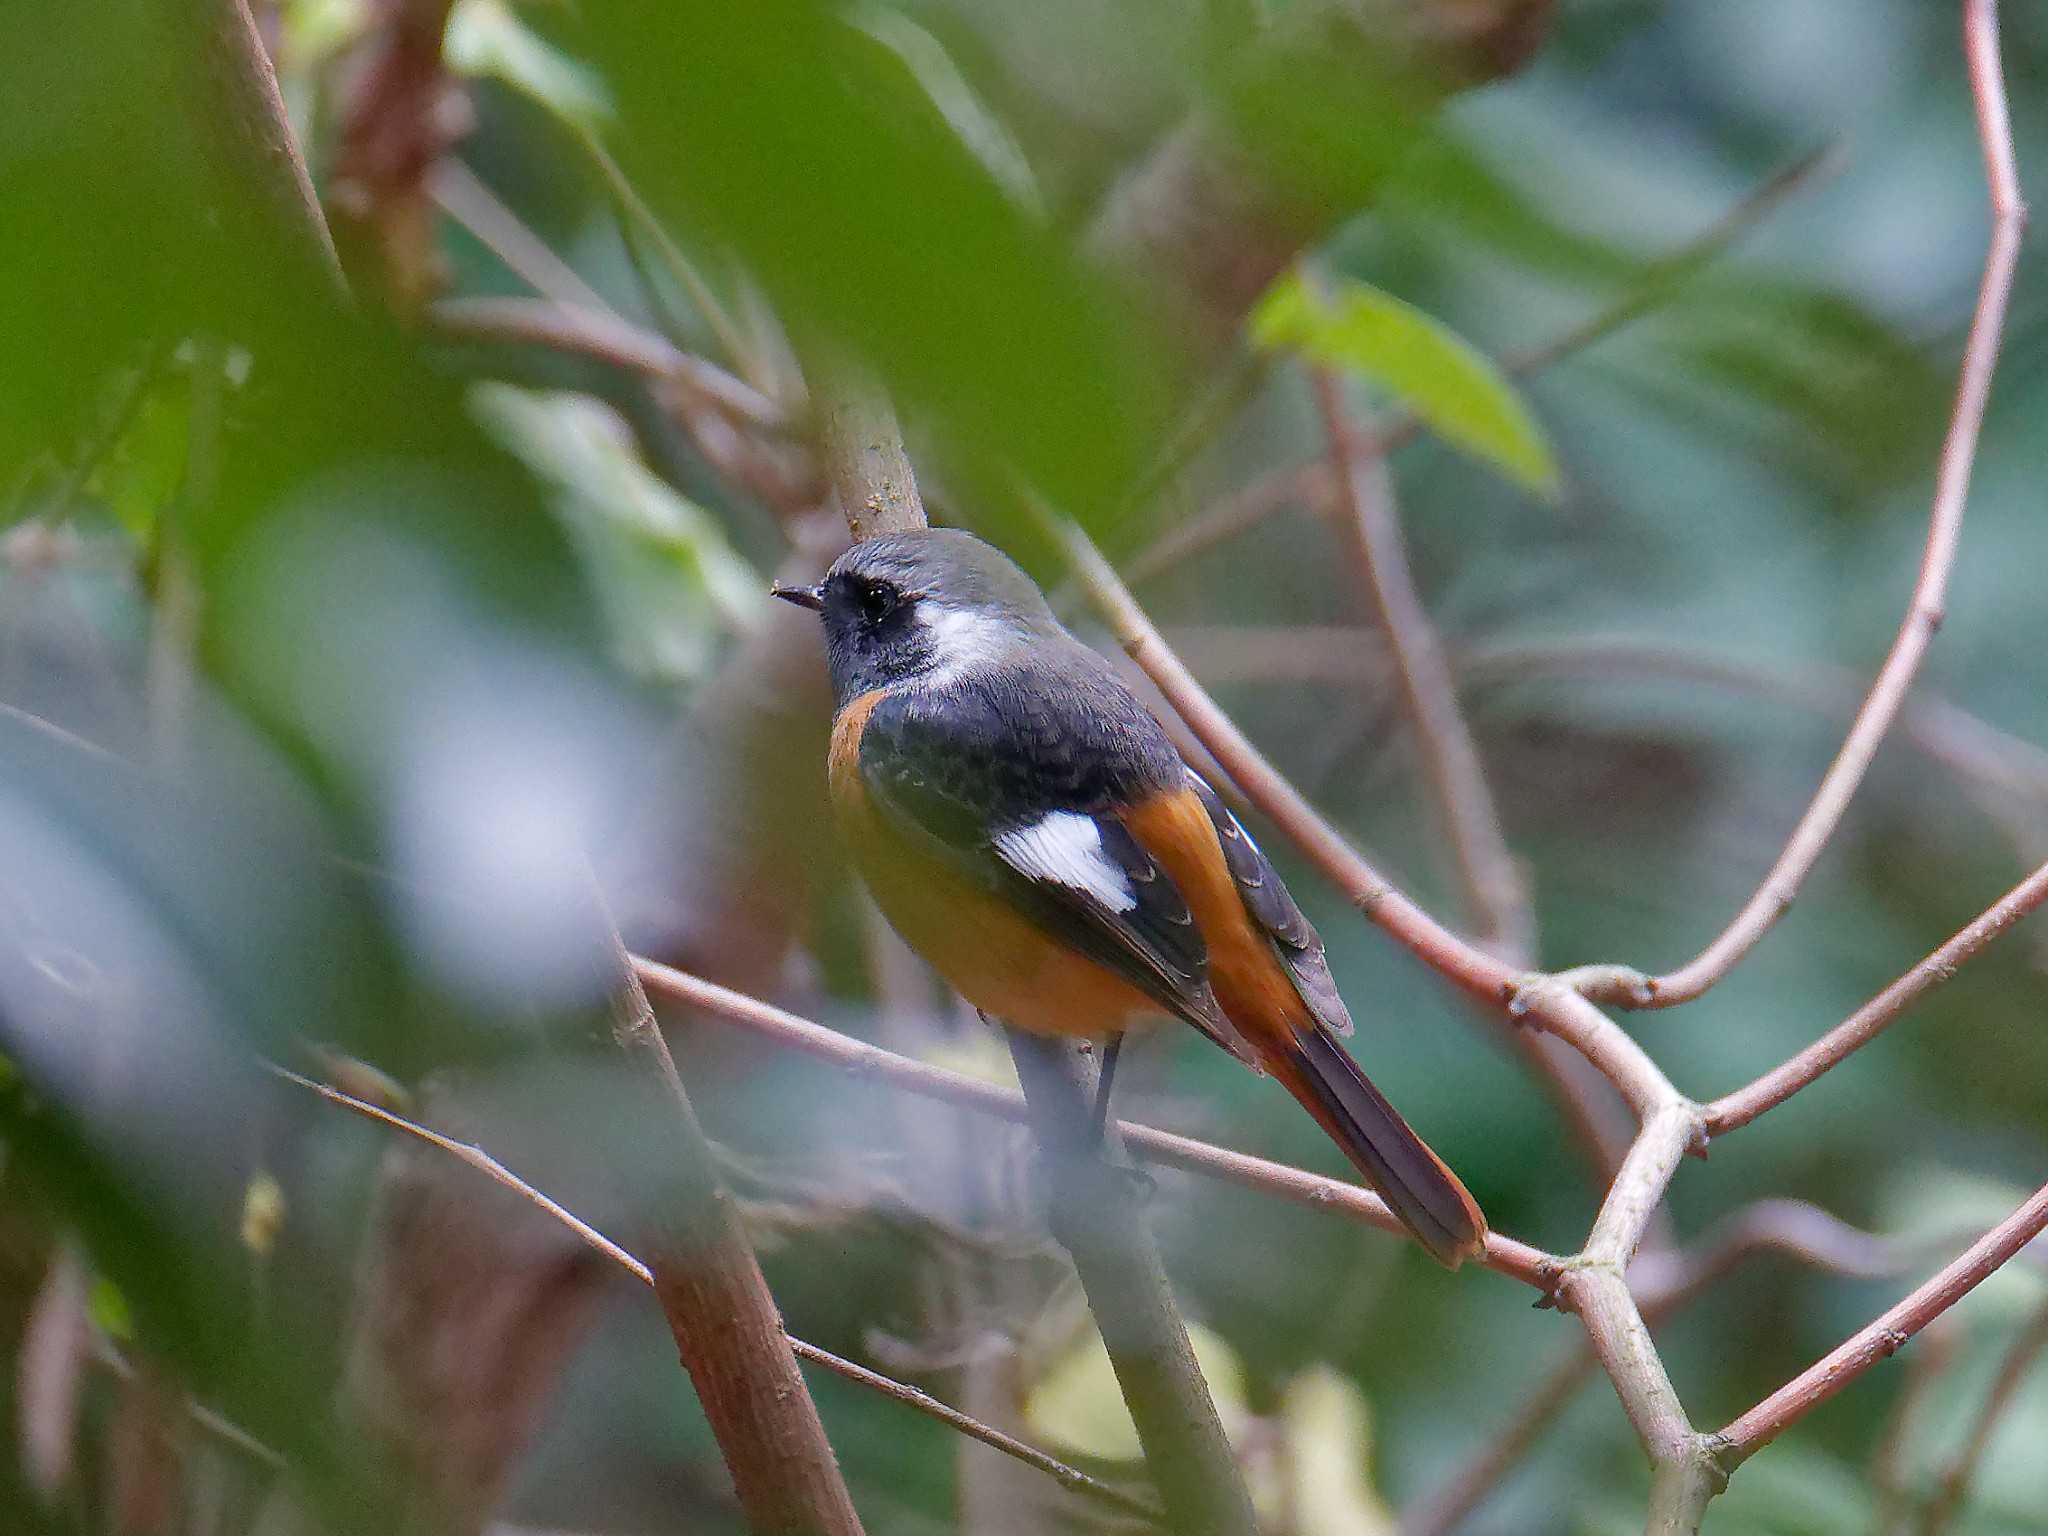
(1028, 826)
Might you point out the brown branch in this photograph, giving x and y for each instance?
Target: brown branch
(902, 1392)
(1881, 1339)
(1494, 896)
(863, 457)
(719, 1310)
(1370, 529)
(1953, 1484)
(1297, 1186)
(1924, 613)
(1315, 483)
(1874, 1017)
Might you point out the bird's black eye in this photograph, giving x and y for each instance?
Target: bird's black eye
(876, 599)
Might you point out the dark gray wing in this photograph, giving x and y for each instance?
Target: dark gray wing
(1014, 779)
(1273, 908)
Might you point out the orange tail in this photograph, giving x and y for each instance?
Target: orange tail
(1413, 1180)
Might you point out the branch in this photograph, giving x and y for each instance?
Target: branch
(1881, 1339)
(606, 337)
(1297, 1186)
(902, 1392)
(1924, 613)
(1874, 1017)
(719, 1310)
(1096, 1211)
(862, 451)
(1954, 1482)
(1494, 896)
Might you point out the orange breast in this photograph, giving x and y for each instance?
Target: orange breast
(994, 958)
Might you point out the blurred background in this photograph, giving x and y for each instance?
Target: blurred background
(342, 638)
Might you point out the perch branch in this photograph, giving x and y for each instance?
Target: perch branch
(1149, 1144)
(1096, 1211)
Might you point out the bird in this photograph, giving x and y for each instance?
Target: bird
(1030, 828)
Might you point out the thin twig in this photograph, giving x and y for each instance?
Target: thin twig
(1881, 1339)
(604, 336)
(635, 214)
(1953, 1483)
(1297, 1186)
(461, 194)
(902, 1392)
(1494, 896)
(1874, 1017)
(1314, 483)
(1446, 1507)
(1495, 899)
(1924, 612)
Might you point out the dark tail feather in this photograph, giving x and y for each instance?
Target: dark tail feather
(1413, 1180)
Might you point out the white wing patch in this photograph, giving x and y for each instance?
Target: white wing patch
(1066, 848)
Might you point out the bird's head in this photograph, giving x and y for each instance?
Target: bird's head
(921, 607)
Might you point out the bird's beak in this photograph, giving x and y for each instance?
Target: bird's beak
(812, 598)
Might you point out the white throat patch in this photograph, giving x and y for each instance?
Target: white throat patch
(963, 638)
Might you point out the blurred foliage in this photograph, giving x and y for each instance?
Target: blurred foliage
(332, 647)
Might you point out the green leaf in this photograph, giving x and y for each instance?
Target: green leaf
(1441, 377)
(670, 581)
(110, 1311)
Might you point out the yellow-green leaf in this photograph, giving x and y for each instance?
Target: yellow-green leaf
(1447, 382)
